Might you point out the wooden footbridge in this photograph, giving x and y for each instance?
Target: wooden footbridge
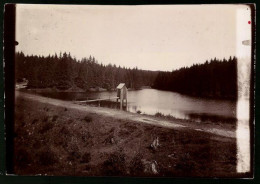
(121, 95)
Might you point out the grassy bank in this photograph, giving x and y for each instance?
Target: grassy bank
(57, 140)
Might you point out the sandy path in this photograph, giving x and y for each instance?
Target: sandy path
(174, 124)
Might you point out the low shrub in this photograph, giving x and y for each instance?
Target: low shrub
(22, 158)
(47, 157)
(136, 166)
(87, 119)
(73, 155)
(35, 121)
(65, 131)
(45, 118)
(86, 157)
(158, 114)
(114, 165)
(54, 118)
(46, 127)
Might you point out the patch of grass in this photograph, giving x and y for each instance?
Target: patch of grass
(45, 118)
(22, 158)
(36, 145)
(112, 130)
(64, 130)
(86, 157)
(185, 163)
(124, 133)
(85, 136)
(70, 121)
(73, 152)
(114, 165)
(73, 155)
(46, 109)
(47, 126)
(47, 157)
(109, 140)
(35, 121)
(62, 140)
(136, 166)
(54, 118)
(87, 119)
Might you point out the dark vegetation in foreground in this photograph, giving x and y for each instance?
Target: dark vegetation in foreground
(58, 141)
(215, 78)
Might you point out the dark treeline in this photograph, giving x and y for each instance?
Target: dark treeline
(64, 72)
(214, 78)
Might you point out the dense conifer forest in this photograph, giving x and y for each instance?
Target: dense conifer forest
(215, 78)
(64, 72)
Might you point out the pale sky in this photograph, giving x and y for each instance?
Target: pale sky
(149, 37)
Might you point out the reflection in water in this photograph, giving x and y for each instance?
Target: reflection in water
(151, 101)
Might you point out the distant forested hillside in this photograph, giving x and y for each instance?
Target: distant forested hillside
(64, 72)
(214, 78)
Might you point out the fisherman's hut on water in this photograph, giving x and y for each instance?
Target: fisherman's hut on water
(122, 95)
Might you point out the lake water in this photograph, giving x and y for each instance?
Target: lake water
(152, 101)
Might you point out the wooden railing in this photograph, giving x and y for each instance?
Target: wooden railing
(96, 100)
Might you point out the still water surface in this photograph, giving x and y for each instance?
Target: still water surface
(151, 101)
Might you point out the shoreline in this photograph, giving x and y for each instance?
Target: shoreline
(229, 121)
(225, 130)
(98, 89)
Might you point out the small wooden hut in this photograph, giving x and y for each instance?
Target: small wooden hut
(122, 94)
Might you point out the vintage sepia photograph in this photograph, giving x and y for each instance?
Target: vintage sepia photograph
(133, 91)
